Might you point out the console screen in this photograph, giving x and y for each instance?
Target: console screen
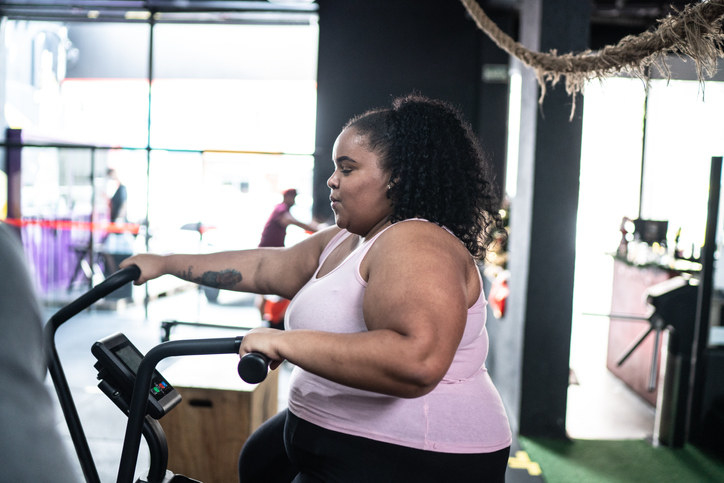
(131, 358)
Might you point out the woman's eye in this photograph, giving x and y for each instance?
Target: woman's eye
(345, 170)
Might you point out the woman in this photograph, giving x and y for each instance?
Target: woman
(387, 319)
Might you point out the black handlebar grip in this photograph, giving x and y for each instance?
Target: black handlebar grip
(253, 367)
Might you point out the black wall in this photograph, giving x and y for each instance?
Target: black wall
(543, 218)
(373, 50)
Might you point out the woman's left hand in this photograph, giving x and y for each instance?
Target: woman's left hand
(266, 341)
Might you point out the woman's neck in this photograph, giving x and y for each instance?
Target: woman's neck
(382, 224)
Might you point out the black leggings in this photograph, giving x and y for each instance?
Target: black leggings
(313, 454)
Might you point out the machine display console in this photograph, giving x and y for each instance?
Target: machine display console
(118, 363)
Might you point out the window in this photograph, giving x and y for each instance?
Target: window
(205, 116)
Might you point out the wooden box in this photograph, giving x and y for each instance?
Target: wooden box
(219, 411)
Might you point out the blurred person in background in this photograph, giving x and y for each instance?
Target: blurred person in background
(273, 308)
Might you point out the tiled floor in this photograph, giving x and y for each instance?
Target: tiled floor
(599, 406)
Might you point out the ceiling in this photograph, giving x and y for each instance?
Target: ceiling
(612, 12)
(639, 14)
(207, 11)
(629, 12)
(611, 20)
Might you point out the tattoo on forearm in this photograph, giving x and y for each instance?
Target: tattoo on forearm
(223, 279)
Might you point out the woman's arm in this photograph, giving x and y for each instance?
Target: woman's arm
(420, 284)
(288, 219)
(280, 271)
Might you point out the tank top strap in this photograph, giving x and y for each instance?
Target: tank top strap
(331, 245)
(365, 248)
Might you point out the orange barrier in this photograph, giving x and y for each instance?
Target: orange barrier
(103, 226)
(274, 312)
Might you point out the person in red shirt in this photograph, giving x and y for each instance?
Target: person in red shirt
(273, 235)
(275, 229)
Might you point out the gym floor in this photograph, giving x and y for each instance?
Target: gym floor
(599, 405)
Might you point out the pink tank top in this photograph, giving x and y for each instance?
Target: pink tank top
(463, 414)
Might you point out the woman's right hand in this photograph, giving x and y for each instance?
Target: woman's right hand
(152, 266)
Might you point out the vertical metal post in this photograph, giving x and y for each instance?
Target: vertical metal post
(643, 143)
(93, 219)
(13, 159)
(701, 326)
(152, 25)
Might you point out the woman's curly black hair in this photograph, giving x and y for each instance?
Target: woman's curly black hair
(437, 168)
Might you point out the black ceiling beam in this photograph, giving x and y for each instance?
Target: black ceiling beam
(104, 8)
(259, 12)
(166, 5)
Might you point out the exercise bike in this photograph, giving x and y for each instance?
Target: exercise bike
(132, 382)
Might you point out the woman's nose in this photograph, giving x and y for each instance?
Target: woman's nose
(332, 181)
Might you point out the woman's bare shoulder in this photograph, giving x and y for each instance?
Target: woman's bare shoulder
(421, 234)
(424, 250)
(418, 241)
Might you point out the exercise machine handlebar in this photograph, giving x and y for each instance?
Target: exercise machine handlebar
(252, 367)
(55, 368)
(110, 284)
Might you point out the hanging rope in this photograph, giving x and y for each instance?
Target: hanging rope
(695, 31)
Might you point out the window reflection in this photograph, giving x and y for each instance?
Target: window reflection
(230, 124)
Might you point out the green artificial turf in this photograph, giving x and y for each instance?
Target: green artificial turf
(622, 461)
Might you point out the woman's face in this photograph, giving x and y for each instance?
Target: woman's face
(358, 185)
